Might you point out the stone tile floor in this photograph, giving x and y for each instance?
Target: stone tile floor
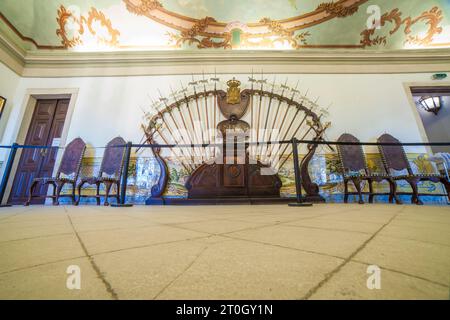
(225, 252)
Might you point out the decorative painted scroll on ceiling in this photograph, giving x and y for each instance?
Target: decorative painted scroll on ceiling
(77, 25)
(432, 18)
(100, 30)
(290, 33)
(209, 33)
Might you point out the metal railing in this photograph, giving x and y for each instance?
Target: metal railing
(129, 145)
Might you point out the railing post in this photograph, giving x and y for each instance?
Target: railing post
(7, 173)
(298, 182)
(124, 181)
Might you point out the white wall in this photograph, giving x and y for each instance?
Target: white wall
(366, 105)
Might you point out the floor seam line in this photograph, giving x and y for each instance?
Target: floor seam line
(325, 229)
(179, 275)
(97, 270)
(421, 241)
(149, 245)
(40, 265)
(271, 225)
(179, 225)
(405, 274)
(34, 238)
(284, 247)
(15, 214)
(330, 275)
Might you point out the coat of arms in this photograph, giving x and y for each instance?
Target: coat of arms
(233, 92)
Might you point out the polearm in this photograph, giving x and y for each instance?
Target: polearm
(150, 137)
(285, 148)
(215, 79)
(166, 123)
(169, 111)
(259, 112)
(295, 133)
(194, 83)
(206, 102)
(267, 115)
(291, 123)
(252, 122)
(293, 119)
(206, 110)
(319, 134)
(186, 99)
(286, 113)
(177, 105)
(278, 109)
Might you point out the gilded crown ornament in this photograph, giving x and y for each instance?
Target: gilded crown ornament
(234, 91)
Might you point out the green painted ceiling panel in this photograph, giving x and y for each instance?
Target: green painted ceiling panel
(104, 25)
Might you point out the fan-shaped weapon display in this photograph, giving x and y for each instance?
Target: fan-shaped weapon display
(227, 138)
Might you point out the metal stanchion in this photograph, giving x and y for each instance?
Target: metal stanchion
(298, 182)
(123, 183)
(6, 174)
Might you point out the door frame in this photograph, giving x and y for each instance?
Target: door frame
(409, 95)
(28, 105)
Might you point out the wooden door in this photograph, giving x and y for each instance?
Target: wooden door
(46, 124)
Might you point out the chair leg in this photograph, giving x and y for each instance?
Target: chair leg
(74, 200)
(79, 187)
(108, 185)
(59, 187)
(345, 191)
(30, 194)
(393, 192)
(357, 184)
(118, 192)
(53, 192)
(415, 197)
(371, 194)
(97, 198)
(446, 184)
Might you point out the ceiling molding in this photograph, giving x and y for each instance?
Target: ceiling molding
(12, 55)
(133, 63)
(23, 38)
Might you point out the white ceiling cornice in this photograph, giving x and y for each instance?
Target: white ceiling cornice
(12, 55)
(128, 63)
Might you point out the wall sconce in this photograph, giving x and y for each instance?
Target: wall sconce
(431, 104)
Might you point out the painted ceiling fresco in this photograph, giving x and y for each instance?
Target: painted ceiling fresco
(106, 25)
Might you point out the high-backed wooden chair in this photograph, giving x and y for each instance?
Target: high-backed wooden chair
(68, 172)
(110, 171)
(354, 168)
(394, 159)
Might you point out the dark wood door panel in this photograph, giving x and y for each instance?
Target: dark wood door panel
(47, 123)
(32, 157)
(19, 184)
(48, 162)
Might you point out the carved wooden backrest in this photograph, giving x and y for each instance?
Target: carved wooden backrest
(71, 159)
(113, 158)
(394, 157)
(351, 156)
